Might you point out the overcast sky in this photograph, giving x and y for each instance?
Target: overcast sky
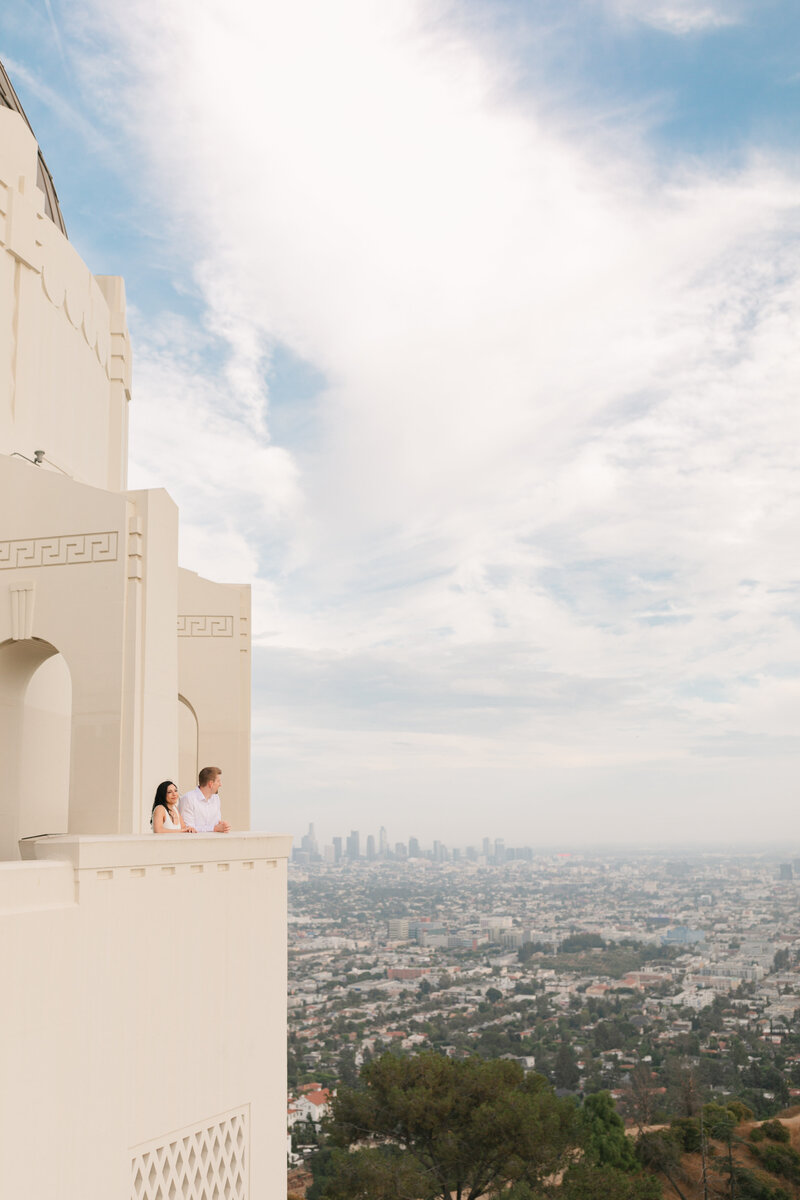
(468, 334)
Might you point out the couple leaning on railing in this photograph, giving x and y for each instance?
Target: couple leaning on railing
(197, 812)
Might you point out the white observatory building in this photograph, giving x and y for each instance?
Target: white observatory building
(144, 977)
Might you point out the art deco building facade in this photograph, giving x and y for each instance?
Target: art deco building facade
(143, 1036)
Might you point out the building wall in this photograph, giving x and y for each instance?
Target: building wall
(90, 575)
(214, 683)
(125, 1033)
(153, 601)
(64, 345)
(144, 1034)
(88, 571)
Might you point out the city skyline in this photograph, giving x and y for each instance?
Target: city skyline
(308, 848)
(482, 369)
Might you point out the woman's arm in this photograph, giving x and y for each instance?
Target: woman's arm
(159, 817)
(184, 827)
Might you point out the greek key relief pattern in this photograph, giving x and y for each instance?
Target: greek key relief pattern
(68, 550)
(190, 625)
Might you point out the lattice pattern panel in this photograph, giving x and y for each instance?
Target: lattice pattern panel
(209, 1162)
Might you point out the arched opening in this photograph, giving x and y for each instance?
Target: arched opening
(188, 745)
(35, 738)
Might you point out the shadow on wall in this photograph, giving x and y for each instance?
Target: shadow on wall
(35, 738)
(188, 746)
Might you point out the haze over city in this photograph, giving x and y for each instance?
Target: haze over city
(484, 373)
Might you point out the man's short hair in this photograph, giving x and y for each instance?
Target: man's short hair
(207, 775)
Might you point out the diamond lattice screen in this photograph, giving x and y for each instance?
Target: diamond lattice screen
(206, 1162)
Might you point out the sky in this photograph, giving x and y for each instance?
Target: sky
(467, 333)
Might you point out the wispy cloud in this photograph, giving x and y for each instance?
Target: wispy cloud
(57, 39)
(679, 17)
(65, 112)
(548, 491)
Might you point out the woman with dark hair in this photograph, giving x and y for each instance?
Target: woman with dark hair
(165, 817)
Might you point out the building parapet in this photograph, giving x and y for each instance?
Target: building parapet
(141, 926)
(130, 852)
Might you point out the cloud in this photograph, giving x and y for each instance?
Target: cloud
(191, 435)
(541, 518)
(678, 17)
(67, 113)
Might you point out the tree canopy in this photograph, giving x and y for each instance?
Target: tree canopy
(432, 1127)
(603, 1137)
(585, 1182)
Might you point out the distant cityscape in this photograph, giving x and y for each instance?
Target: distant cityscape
(490, 852)
(601, 971)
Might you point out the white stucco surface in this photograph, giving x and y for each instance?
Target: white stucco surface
(144, 995)
(147, 998)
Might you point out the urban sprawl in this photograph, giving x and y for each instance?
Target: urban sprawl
(650, 975)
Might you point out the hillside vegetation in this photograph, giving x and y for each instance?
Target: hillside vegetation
(430, 1127)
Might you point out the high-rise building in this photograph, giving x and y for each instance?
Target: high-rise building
(354, 845)
(309, 844)
(383, 842)
(371, 847)
(499, 850)
(337, 849)
(487, 848)
(400, 850)
(413, 848)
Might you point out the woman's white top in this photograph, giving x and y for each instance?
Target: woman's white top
(169, 824)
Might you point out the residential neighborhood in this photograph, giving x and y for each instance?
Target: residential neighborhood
(631, 973)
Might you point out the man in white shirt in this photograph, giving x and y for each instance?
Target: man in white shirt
(201, 807)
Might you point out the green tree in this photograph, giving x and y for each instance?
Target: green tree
(565, 1071)
(465, 1128)
(738, 1052)
(751, 1185)
(581, 941)
(780, 1160)
(720, 1123)
(529, 948)
(348, 1072)
(320, 1169)
(687, 1132)
(584, 1182)
(602, 1134)
(775, 1130)
(368, 1175)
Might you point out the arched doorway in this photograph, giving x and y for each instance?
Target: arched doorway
(188, 745)
(35, 740)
